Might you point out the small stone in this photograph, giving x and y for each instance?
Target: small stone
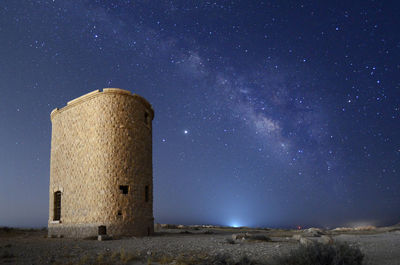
(305, 241)
(297, 237)
(238, 236)
(314, 232)
(325, 240)
(103, 237)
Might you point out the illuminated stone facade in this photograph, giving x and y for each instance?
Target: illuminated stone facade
(101, 179)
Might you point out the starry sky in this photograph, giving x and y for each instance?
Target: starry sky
(267, 113)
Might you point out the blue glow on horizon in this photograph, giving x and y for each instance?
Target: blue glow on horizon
(235, 224)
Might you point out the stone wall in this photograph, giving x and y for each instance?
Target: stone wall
(101, 141)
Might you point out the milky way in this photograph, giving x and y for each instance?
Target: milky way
(266, 113)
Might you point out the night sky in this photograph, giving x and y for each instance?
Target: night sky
(273, 114)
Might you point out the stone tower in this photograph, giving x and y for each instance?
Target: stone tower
(101, 177)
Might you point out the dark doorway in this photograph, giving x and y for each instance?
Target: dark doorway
(57, 206)
(102, 230)
(146, 193)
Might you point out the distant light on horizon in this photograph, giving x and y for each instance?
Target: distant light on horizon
(361, 224)
(235, 224)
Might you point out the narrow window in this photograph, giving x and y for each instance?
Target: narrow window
(146, 193)
(57, 206)
(146, 118)
(119, 213)
(124, 189)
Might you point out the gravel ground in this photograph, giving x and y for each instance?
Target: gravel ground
(379, 249)
(32, 247)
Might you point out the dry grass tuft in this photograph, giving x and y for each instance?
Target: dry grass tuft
(165, 259)
(259, 238)
(127, 257)
(115, 255)
(84, 260)
(320, 254)
(100, 258)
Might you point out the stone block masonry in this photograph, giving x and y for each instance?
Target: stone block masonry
(101, 176)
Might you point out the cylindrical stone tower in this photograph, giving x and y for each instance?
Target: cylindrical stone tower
(101, 178)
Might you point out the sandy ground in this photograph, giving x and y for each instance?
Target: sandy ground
(381, 247)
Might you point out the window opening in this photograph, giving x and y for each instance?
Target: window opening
(146, 193)
(57, 206)
(146, 118)
(124, 189)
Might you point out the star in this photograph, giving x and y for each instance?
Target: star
(281, 106)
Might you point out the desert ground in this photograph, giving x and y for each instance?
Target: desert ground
(190, 244)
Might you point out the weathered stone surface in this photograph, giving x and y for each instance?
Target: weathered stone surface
(297, 237)
(101, 162)
(313, 232)
(103, 237)
(239, 236)
(325, 240)
(305, 241)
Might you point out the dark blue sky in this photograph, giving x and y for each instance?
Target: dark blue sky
(277, 113)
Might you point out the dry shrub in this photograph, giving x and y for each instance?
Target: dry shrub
(166, 259)
(100, 258)
(319, 254)
(259, 238)
(83, 260)
(115, 255)
(227, 260)
(127, 257)
(230, 241)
